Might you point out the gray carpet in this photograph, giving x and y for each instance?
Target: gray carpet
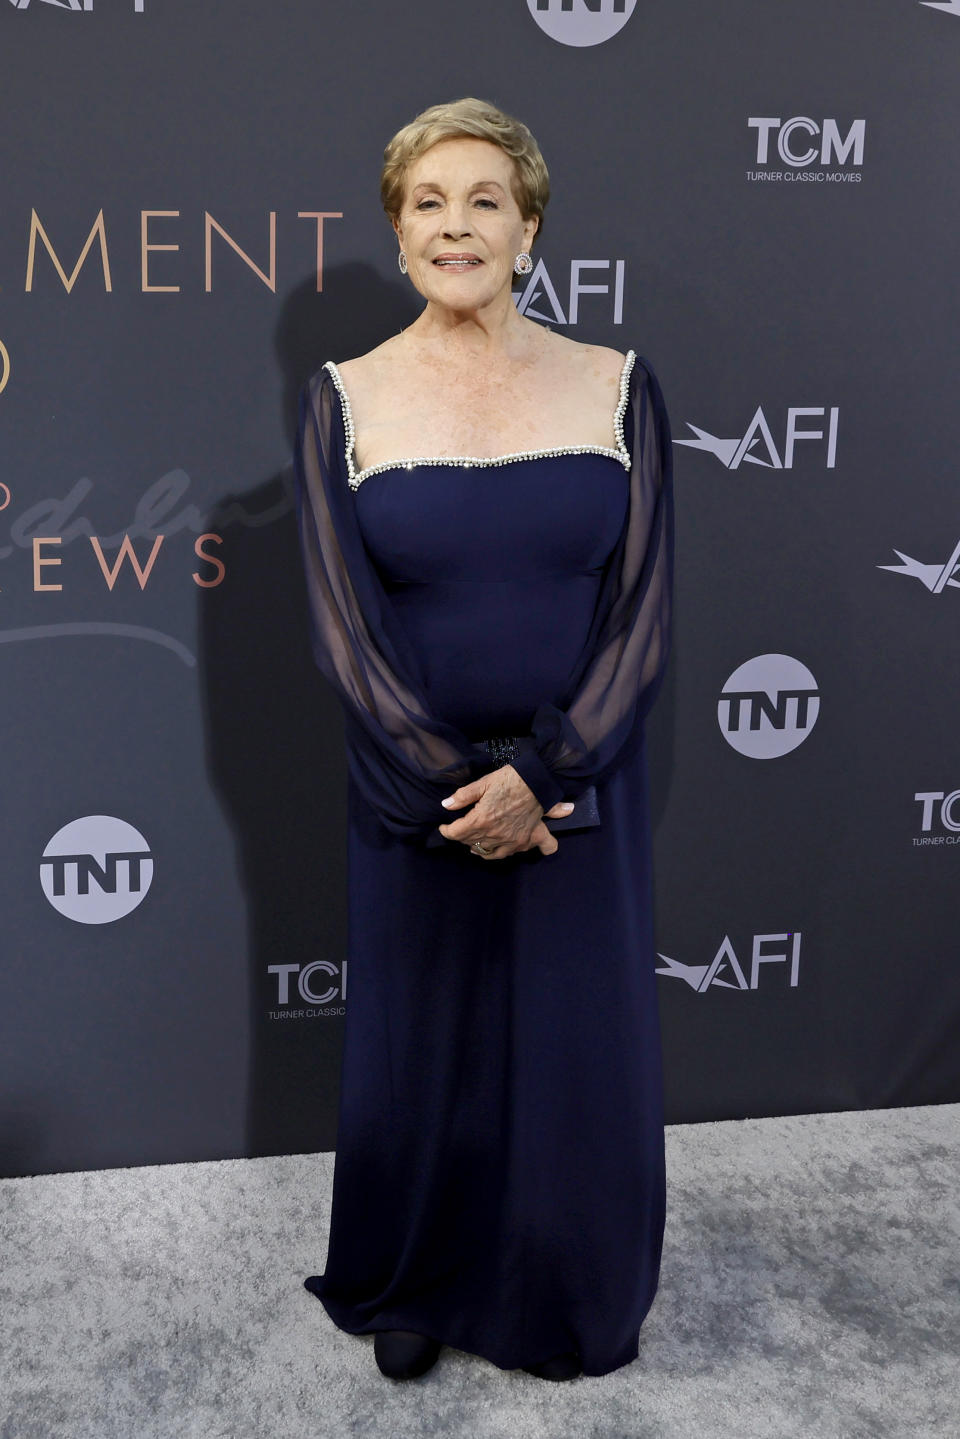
(810, 1287)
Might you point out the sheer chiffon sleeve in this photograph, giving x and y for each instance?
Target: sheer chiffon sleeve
(404, 758)
(621, 667)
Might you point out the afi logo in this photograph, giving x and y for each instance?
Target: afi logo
(304, 976)
(69, 5)
(725, 969)
(768, 706)
(796, 150)
(581, 22)
(96, 869)
(935, 578)
(732, 453)
(540, 289)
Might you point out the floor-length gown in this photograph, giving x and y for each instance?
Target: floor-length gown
(499, 1179)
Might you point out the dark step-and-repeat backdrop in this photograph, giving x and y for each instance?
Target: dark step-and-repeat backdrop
(761, 199)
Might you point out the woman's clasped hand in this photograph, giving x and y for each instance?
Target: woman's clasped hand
(505, 816)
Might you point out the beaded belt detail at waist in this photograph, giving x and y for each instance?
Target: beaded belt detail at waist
(502, 748)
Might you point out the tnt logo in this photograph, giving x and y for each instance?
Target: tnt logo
(96, 869)
(725, 969)
(795, 149)
(768, 706)
(581, 22)
(86, 5)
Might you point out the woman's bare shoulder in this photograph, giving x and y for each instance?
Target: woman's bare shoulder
(366, 369)
(595, 362)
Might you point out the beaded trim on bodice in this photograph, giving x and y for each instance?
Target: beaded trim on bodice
(356, 477)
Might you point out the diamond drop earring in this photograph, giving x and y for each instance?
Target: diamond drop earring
(402, 262)
(523, 264)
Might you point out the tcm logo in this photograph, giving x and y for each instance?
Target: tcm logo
(96, 869)
(936, 578)
(587, 277)
(725, 969)
(768, 706)
(801, 142)
(581, 22)
(330, 982)
(732, 453)
(939, 817)
(68, 4)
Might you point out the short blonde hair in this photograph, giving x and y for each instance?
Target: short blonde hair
(479, 120)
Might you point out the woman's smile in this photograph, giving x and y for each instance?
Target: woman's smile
(457, 260)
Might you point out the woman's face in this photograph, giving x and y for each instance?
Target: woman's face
(460, 226)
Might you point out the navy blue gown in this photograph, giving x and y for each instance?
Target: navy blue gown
(499, 1177)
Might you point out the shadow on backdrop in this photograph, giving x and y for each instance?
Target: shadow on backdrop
(274, 735)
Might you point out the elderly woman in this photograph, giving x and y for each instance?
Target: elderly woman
(486, 524)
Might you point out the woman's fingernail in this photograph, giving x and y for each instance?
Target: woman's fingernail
(447, 802)
(566, 808)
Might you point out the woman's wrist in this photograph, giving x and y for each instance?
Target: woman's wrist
(538, 779)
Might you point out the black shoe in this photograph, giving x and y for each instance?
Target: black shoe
(401, 1354)
(561, 1366)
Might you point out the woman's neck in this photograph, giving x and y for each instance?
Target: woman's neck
(494, 330)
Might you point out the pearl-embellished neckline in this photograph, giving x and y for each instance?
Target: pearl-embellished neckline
(356, 477)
